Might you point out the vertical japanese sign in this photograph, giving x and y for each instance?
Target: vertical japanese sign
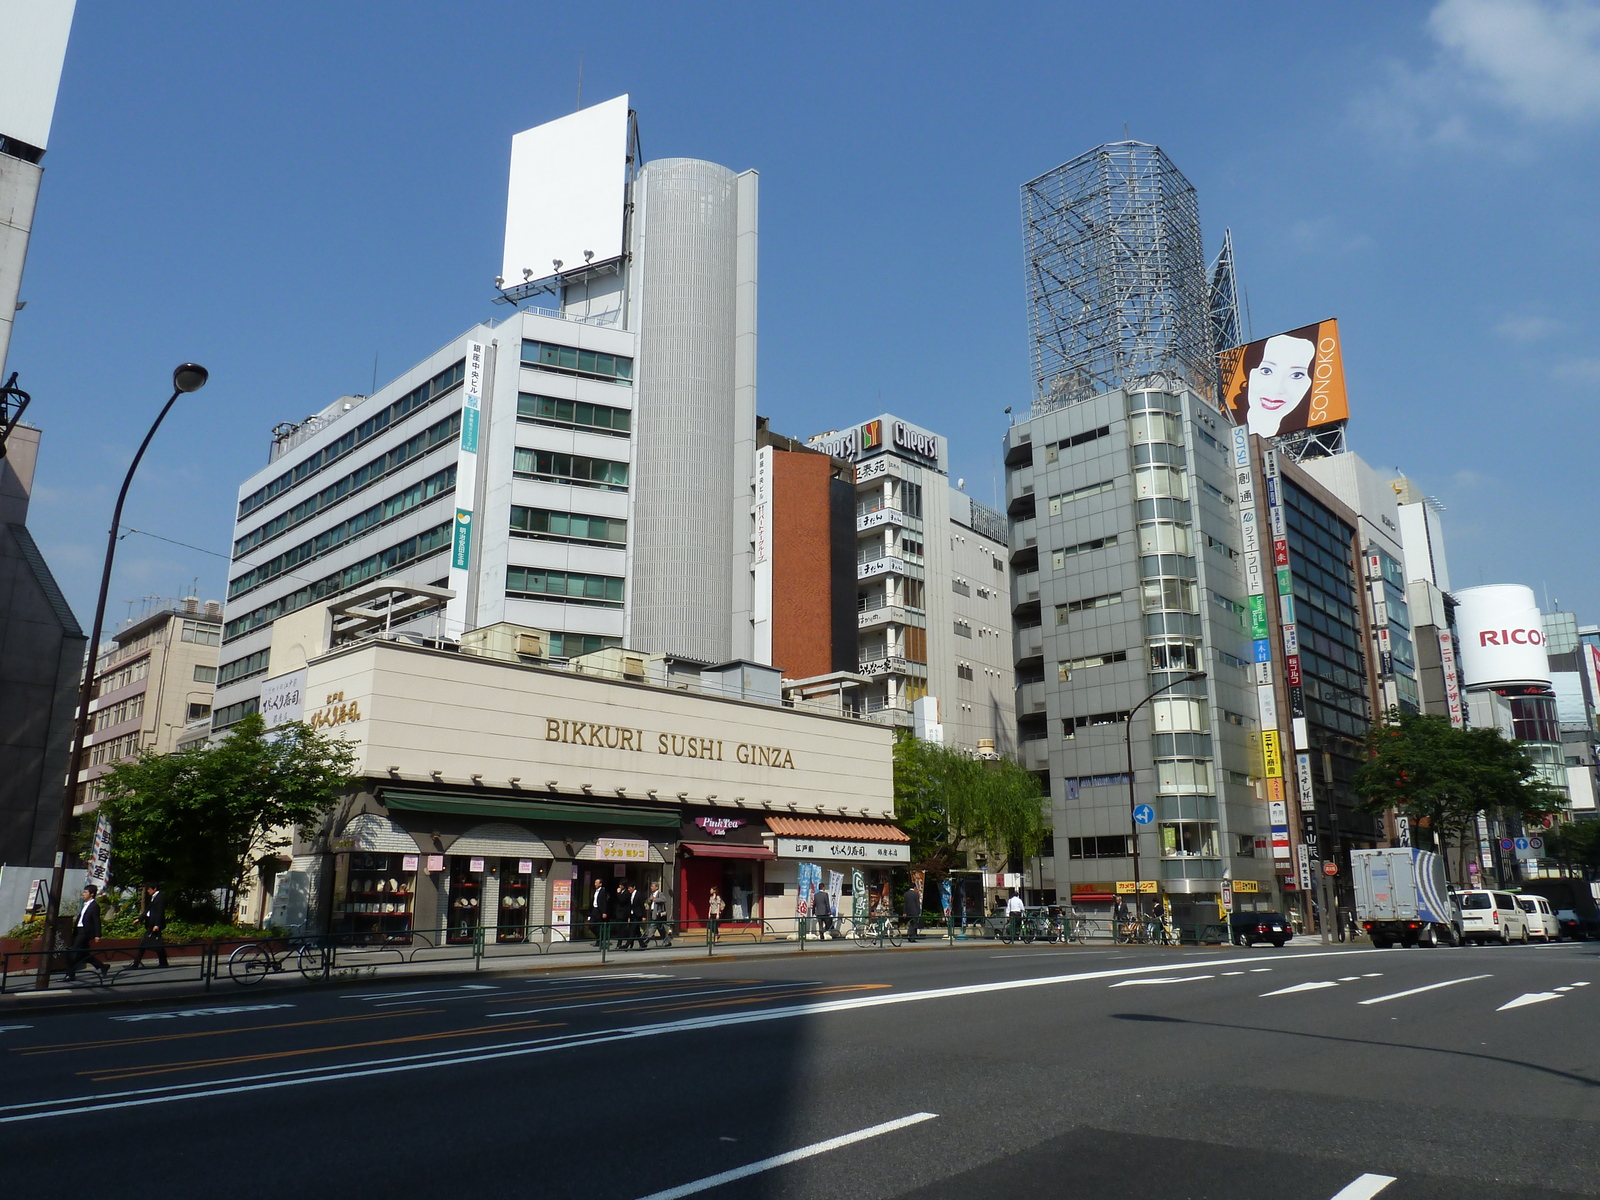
(100, 854)
(1302, 777)
(1452, 679)
(561, 904)
(761, 555)
(456, 615)
(859, 900)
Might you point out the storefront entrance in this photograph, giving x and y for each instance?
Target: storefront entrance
(737, 880)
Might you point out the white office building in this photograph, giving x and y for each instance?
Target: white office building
(583, 470)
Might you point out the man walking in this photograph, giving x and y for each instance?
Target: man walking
(913, 911)
(822, 909)
(599, 909)
(154, 920)
(1014, 912)
(84, 934)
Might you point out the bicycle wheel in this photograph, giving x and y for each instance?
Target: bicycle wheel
(891, 933)
(313, 960)
(250, 963)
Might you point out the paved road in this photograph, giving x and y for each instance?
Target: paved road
(1282, 1074)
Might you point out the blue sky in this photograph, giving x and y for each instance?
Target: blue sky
(287, 192)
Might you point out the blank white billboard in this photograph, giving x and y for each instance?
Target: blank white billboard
(33, 45)
(564, 204)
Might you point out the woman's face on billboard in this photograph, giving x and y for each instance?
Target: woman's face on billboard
(1279, 384)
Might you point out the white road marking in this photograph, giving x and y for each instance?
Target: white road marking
(1373, 975)
(1364, 1188)
(1529, 998)
(523, 1012)
(1259, 970)
(1348, 978)
(789, 1156)
(1302, 987)
(1427, 988)
(416, 992)
(201, 1012)
(9, 1028)
(1580, 985)
(138, 1097)
(1233, 972)
(1568, 988)
(1172, 979)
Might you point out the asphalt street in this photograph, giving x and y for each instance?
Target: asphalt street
(1307, 1072)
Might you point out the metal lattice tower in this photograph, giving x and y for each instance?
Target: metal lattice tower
(1116, 275)
(1226, 330)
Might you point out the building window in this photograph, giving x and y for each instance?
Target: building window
(131, 673)
(232, 714)
(963, 671)
(554, 467)
(549, 525)
(1244, 845)
(963, 628)
(1089, 602)
(1155, 427)
(417, 398)
(1079, 439)
(1155, 480)
(960, 588)
(1058, 558)
(197, 711)
(130, 709)
(115, 750)
(1180, 714)
(1164, 537)
(1175, 655)
(1071, 725)
(911, 499)
(243, 668)
(200, 633)
(910, 548)
(571, 645)
(1169, 595)
(1184, 776)
(1189, 839)
(204, 674)
(574, 414)
(564, 587)
(1066, 667)
(998, 565)
(1082, 493)
(1117, 846)
(1220, 546)
(913, 594)
(915, 642)
(569, 360)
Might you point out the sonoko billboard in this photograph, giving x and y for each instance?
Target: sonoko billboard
(1287, 382)
(1502, 636)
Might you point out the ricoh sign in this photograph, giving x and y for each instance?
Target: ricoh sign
(1501, 636)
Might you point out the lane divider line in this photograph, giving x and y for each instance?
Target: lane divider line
(1364, 1188)
(790, 1156)
(1417, 991)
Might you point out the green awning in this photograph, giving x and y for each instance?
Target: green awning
(528, 810)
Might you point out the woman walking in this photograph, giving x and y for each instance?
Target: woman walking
(715, 905)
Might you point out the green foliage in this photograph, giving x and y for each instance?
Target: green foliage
(200, 819)
(1576, 844)
(1442, 777)
(123, 928)
(950, 802)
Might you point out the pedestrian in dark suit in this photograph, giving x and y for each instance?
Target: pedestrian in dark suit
(822, 909)
(630, 907)
(84, 934)
(599, 909)
(913, 911)
(154, 920)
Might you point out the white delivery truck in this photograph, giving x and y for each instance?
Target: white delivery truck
(1402, 896)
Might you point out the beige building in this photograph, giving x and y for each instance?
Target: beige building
(153, 685)
(501, 787)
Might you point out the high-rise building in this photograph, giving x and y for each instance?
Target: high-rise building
(583, 471)
(153, 685)
(927, 588)
(1429, 602)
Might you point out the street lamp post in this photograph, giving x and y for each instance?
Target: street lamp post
(187, 377)
(1133, 795)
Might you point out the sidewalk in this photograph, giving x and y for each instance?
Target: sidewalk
(148, 986)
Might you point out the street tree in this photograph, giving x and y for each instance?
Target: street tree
(951, 802)
(1442, 778)
(201, 819)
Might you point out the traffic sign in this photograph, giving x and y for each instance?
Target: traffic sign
(1535, 843)
(1227, 894)
(1506, 843)
(1330, 867)
(1144, 814)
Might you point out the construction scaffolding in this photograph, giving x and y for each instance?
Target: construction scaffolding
(1117, 286)
(1226, 329)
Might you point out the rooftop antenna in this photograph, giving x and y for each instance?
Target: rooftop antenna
(374, 390)
(580, 81)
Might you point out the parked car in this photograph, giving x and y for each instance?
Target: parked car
(1575, 926)
(1248, 928)
(1542, 923)
(1488, 916)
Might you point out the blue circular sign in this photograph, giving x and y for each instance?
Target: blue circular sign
(1144, 814)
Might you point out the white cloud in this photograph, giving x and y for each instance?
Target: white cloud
(1578, 370)
(1534, 62)
(1527, 328)
(1540, 58)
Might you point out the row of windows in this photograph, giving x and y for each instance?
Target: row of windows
(553, 526)
(232, 714)
(592, 363)
(1221, 546)
(1066, 667)
(364, 476)
(578, 414)
(1152, 481)
(123, 676)
(1169, 595)
(1175, 656)
(1082, 493)
(125, 746)
(204, 674)
(1117, 846)
(417, 397)
(1212, 489)
(571, 468)
(1071, 725)
(566, 587)
(1058, 558)
(243, 668)
(130, 709)
(1155, 427)
(1335, 534)
(1084, 605)
(347, 530)
(1053, 451)
(384, 561)
(570, 645)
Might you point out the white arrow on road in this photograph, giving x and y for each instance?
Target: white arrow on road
(1172, 979)
(1301, 987)
(1529, 998)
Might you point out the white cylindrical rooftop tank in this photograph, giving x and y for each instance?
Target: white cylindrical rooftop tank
(1502, 636)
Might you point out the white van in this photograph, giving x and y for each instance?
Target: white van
(1542, 923)
(1488, 916)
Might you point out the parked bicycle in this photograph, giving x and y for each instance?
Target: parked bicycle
(254, 961)
(1150, 931)
(876, 931)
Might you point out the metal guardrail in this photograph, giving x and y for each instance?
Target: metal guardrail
(247, 960)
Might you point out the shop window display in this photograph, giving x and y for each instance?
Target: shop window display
(378, 895)
(466, 898)
(516, 886)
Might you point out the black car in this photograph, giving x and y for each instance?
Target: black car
(1252, 927)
